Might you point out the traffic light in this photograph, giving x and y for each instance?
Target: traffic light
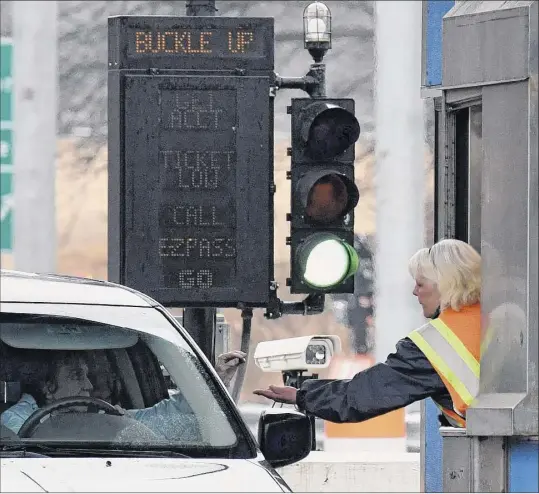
(323, 196)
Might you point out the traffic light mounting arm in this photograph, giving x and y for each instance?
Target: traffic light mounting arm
(310, 305)
(313, 83)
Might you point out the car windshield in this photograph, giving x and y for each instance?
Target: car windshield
(88, 383)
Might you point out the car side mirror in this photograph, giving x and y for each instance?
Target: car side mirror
(284, 436)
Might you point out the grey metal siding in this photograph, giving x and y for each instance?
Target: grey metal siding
(495, 44)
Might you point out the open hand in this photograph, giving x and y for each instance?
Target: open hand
(282, 394)
(227, 365)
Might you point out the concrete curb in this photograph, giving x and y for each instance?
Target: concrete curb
(354, 472)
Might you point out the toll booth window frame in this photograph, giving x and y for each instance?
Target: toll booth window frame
(460, 183)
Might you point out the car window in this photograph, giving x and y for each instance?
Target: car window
(163, 397)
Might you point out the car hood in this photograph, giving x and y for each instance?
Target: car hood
(135, 475)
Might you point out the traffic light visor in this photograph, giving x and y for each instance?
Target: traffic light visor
(326, 261)
(328, 130)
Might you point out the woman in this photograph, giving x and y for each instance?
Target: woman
(65, 373)
(439, 360)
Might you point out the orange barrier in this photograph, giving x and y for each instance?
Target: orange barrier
(389, 425)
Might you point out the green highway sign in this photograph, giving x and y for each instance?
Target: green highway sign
(6, 146)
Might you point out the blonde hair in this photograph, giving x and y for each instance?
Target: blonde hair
(455, 267)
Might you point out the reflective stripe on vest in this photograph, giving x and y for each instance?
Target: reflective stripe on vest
(450, 357)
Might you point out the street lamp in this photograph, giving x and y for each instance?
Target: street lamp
(317, 30)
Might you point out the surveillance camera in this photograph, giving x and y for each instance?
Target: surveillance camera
(306, 353)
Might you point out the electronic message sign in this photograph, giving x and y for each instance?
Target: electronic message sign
(199, 43)
(216, 42)
(190, 165)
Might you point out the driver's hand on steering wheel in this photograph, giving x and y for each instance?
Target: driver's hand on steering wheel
(120, 409)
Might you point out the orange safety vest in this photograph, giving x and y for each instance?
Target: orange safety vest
(452, 344)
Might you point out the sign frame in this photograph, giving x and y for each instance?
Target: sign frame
(135, 131)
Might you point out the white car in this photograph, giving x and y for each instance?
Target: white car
(84, 443)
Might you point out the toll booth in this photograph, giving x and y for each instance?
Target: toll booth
(480, 73)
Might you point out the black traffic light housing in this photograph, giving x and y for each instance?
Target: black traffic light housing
(323, 191)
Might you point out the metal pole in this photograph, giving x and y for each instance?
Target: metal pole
(201, 323)
(400, 169)
(35, 69)
(200, 7)
(246, 317)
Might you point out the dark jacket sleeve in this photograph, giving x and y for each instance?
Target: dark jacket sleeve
(406, 376)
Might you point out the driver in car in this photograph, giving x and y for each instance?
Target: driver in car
(67, 376)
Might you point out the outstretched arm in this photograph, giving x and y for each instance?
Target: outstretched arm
(173, 417)
(406, 376)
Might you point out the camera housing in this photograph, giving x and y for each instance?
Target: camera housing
(303, 353)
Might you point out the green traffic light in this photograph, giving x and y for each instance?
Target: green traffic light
(325, 261)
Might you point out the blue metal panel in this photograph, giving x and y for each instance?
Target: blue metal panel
(433, 448)
(432, 36)
(523, 466)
